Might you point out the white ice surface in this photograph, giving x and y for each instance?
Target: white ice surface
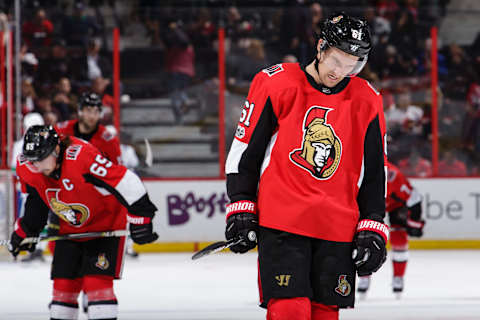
(440, 285)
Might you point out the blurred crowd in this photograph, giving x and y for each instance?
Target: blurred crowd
(66, 49)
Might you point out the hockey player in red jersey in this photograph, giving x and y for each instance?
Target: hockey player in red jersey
(306, 177)
(404, 207)
(88, 127)
(88, 192)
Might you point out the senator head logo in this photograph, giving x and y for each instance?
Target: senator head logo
(321, 149)
(74, 214)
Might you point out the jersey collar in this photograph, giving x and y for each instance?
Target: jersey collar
(84, 136)
(324, 89)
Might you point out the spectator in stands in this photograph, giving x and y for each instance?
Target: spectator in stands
(450, 165)
(415, 165)
(38, 31)
(43, 104)
(64, 100)
(28, 96)
(79, 27)
(387, 9)
(471, 122)
(180, 57)
(388, 63)
(54, 67)
(96, 64)
(460, 73)
(29, 62)
(50, 118)
(424, 60)
(293, 32)
(403, 115)
(243, 66)
(379, 26)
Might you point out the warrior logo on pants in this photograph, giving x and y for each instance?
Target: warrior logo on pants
(321, 149)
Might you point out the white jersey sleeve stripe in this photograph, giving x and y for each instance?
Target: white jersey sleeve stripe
(415, 197)
(268, 153)
(130, 187)
(236, 151)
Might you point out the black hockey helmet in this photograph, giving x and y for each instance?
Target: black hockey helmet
(39, 142)
(90, 99)
(349, 34)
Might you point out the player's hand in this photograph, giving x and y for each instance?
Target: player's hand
(369, 251)
(141, 230)
(16, 239)
(242, 223)
(415, 227)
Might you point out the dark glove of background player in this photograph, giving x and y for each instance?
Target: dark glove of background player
(20, 233)
(242, 225)
(369, 252)
(414, 222)
(141, 230)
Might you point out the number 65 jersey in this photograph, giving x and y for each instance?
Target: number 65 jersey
(90, 195)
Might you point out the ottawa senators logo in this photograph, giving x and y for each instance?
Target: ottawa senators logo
(74, 214)
(102, 262)
(321, 149)
(344, 288)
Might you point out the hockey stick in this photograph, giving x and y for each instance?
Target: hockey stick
(148, 153)
(99, 234)
(221, 245)
(216, 247)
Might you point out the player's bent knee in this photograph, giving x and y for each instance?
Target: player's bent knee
(289, 309)
(324, 312)
(102, 303)
(64, 301)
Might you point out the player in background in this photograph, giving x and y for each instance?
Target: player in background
(88, 127)
(88, 193)
(306, 177)
(404, 207)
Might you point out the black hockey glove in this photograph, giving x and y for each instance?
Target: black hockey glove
(141, 229)
(415, 228)
(20, 233)
(242, 223)
(369, 251)
(414, 222)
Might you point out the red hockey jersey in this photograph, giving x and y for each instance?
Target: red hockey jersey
(90, 194)
(315, 154)
(400, 192)
(101, 138)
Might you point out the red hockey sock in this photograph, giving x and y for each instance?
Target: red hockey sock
(289, 309)
(64, 299)
(399, 268)
(102, 303)
(324, 312)
(399, 242)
